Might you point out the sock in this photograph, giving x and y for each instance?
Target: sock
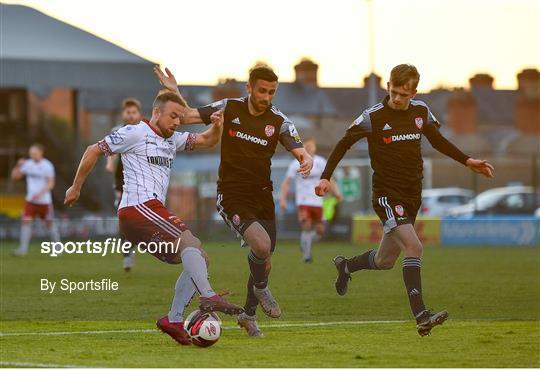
(26, 234)
(184, 290)
(195, 267)
(258, 270)
(251, 301)
(413, 284)
(364, 261)
(54, 233)
(306, 238)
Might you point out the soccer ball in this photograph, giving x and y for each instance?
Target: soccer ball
(204, 329)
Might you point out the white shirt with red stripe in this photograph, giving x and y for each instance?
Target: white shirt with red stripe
(38, 174)
(147, 158)
(305, 186)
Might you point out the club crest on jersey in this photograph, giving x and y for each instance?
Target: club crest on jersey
(399, 210)
(236, 220)
(269, 130)
(419, 122)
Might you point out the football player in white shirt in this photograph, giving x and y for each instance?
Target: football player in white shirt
(39, 173)
(131, 115)
(309, 205)
(148, 151)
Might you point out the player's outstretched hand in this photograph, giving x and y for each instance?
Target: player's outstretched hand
(306, 164)
(283, 203)
(481, 166)
(217, 118)
(72, 194)
(322, 187)
(167, 80)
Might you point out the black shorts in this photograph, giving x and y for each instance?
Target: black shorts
(239, 211)
(394, 212)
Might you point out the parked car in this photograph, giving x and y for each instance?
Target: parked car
(511, 200)
(436, 202)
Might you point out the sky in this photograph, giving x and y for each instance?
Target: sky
(203, 41)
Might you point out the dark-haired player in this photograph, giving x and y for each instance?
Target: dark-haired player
(394, 129)
(131, 115)
(252, 128)
(148, 151)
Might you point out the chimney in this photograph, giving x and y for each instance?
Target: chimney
(306, 72)
(481, 80)
(376, 77)
(528, 102)
(227, 88)
(462, 112)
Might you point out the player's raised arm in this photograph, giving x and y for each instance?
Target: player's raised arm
(360, 128)
(168, 81)
(17, 172)
(441, 144)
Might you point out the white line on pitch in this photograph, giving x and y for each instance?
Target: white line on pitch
(291, 325)
(33, 364)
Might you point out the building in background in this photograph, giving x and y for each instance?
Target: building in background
(63, 86)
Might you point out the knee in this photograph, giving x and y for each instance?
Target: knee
(414, 250)
(306, 225)
(384, 263)
(262, 247)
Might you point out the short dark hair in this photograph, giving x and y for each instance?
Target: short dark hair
(131, 102)
(405, 74)
(163, 98)
(262, 72)
(39, 146)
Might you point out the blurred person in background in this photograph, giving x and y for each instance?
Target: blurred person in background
(39, 173)
(309, 205)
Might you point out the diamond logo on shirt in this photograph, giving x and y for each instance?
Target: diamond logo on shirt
(387, 127)
(236, 121)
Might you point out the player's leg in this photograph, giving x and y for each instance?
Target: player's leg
(261, 240)
(405, 236)
(52, 226)
(382, 258)
(306, 237)
(26, 230)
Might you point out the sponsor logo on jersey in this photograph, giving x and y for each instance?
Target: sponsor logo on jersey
(236, 220)
(116, 138)
(294, 133)
(419, 122)
(247, 137)
(387, 127)
(236, 121)
(160, 161)
(269, 130)
(404, 137)
(399, 210)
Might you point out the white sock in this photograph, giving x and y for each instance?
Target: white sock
(26, 234)
(195, 267)
(305, 243)
(184, 290)
(54, 233)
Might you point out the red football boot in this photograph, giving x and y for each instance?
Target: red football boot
(174, 329)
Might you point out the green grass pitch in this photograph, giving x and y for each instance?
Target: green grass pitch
(492, 294)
